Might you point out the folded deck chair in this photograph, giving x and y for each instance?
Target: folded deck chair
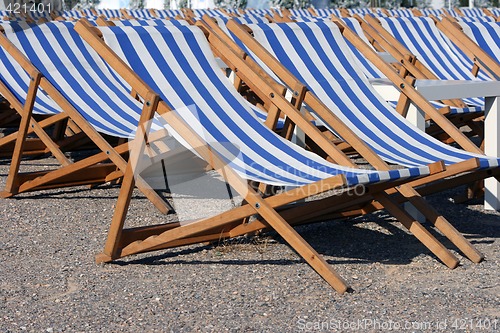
(183, 73)
(478, 40)
(321, 61)
(88, 96)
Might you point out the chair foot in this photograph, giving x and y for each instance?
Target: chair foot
(102, 258)
(6, 194)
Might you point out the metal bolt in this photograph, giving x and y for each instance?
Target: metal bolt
(257, 205)
(402, 85)
(271, 95)
(107, 152)
(296, 93)
(148, 103)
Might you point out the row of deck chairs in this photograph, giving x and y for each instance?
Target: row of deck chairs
(468, 14)
(161, 82)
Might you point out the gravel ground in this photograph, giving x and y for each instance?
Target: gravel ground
(49, 281)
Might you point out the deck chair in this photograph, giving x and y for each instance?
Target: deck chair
(372, 72)
(184, 73)
(69, 86)
(419, 36)
(14, 86)
(459, 115)
(327, 71)
(478, 40)
(427, 54)
(455, 110)
(409, 194)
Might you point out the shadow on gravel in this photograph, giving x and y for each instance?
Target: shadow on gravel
(372, 238)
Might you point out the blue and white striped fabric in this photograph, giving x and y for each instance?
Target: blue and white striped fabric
(250, 19)
(80, 75)
(476, 19)
(109, 13)
(308, 18)
(210, 12)
(300, 12)
(73, 14)
(316, 53)
(401, 12)
(168, 13)
(140, 13)
(421, 37)
(140, 22)
(327, 12)
(486, 35)
(259, 12)
(88, 12)
(177, 63)
(17, 80)
(372, 72)
(495, 11)
(472, 12)
(359, 11)
(436, 12)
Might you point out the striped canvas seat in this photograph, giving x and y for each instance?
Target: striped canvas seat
(17, 80)
(210, 12)
(141, 22)
(300, 12)
(327, 12)
(259, 12)
(472, 12)
(250, 19)
(359, 11)
(109, 13)
(476, 19)
(401, 12)
(168, 13)
(140, 13)
(372, 72)
(73, 14)
(486, 35)
(89, 85)
(177, 62)
(423, 39)
(318, 56)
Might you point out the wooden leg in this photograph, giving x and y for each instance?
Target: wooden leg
(111, 249)
(11, 184)
(442, 224)
(418, 231)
